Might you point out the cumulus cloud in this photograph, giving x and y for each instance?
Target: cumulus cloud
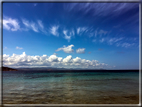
(53, 58)
(11, 24)
(24, 60)
(80, 50)
(19, 47)
(77, 60)
(67, 49)
(68, 59)
(54, 30)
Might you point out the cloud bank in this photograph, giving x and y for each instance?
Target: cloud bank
(24, 60)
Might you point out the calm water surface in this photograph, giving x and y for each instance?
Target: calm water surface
(70, 88)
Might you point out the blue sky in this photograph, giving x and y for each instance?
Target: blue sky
(71, 35)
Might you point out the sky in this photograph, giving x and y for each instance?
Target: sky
(71, 35)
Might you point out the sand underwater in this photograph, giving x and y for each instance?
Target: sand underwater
(29, 87)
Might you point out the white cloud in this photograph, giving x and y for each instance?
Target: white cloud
(97, 9)
(54, 30)
(127, 45)
(41, 27)
(80, 50)
(77, 60)
(26, 22)
(111, 41)
(19, 47)
(11, 24)
(100, 32)
(34, 27)
(40, 24)
(80, 30)
(117, 42)
(68, 35)
(24, 60)
(67, 49)
(68, 59)
(30, 25)
(114, 40)
(72, 33)
(53, 58)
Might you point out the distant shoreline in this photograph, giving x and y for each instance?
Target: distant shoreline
(64, 70)
(8, 69)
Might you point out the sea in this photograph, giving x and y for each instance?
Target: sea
(43, 87)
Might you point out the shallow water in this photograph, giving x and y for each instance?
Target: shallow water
(70, 88)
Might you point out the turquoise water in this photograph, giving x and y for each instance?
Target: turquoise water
(71, 88)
